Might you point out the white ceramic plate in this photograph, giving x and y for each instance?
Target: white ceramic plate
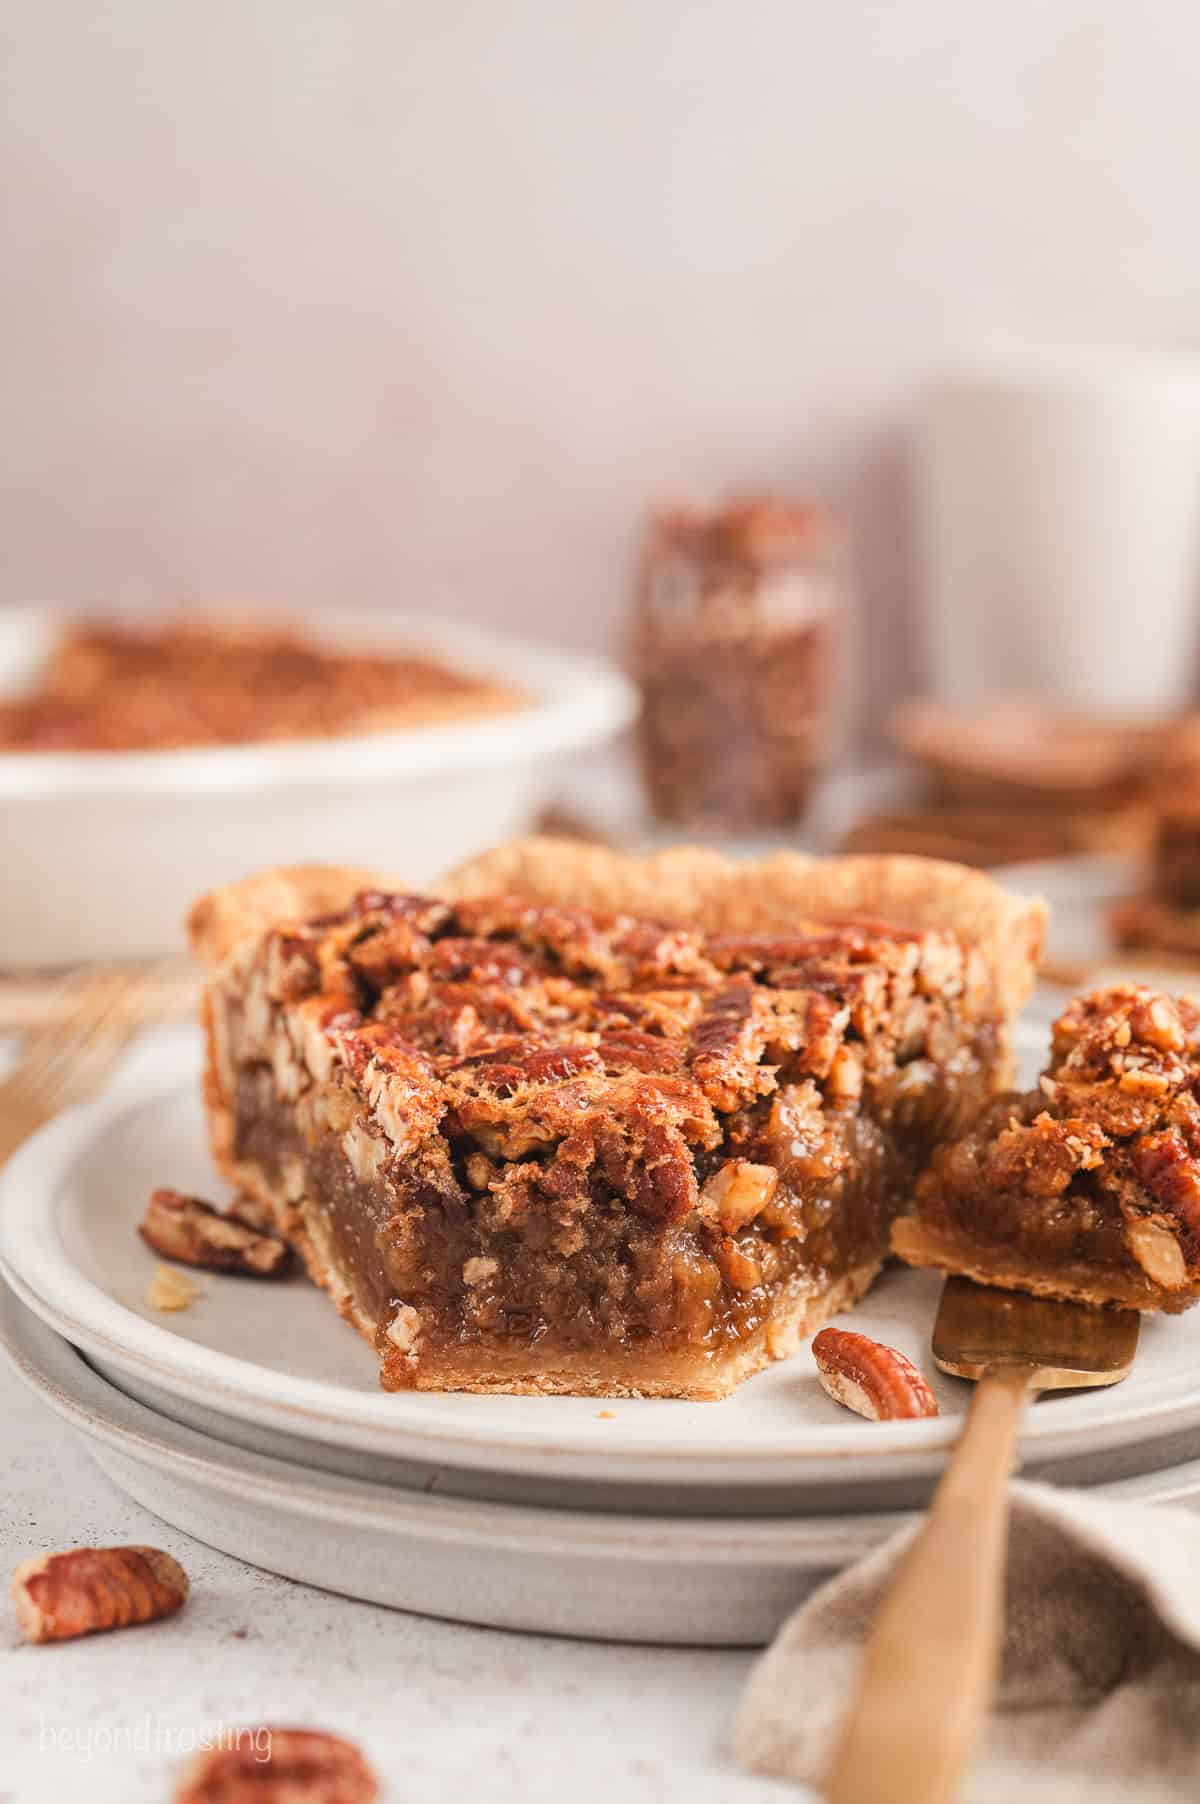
(277, 1355)
(571, 1572)
(557, 1571)
(150, 831)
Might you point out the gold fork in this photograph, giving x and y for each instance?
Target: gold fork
(928, 1671)
(70, 1057)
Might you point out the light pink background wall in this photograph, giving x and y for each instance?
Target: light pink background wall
(417, 301)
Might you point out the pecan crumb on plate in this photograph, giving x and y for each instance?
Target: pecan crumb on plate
(169, 1290)
(191, 1231)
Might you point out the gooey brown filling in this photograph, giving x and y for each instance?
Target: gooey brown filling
(1031, 1213)
(603, 1273)
(529, 1139)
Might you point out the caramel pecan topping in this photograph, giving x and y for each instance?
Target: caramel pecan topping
(538, 1057)
(728, 1043)
(1124, 1043)
(1169, 1171)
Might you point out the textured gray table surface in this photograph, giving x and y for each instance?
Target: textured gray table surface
(445, 1712)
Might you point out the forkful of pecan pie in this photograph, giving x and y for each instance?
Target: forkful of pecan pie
(1088, 1187)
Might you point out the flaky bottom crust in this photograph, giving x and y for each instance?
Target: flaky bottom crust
(1073, 1281)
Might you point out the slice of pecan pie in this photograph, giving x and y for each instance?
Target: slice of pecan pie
(1088, 1187)
(595, 1125)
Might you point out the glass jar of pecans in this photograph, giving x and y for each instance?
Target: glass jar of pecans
(734, 639)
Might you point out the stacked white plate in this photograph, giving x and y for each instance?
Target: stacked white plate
(254, 1421)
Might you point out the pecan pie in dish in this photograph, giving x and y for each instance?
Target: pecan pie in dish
(115, 688)
(590, 1124)
(1088, 1187)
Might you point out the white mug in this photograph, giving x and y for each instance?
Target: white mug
(1058, 527)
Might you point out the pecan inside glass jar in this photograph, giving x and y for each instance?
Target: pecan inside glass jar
(733, 645)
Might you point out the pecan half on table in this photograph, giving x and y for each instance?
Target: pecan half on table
(86, 1590)
(279, 1766)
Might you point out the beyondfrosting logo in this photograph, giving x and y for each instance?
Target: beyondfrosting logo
(150, 1735)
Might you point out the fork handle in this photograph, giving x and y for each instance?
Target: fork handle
(929, 1668)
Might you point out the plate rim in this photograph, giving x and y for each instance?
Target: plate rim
(98, 1411)
(36, 1261)
(58, 1373)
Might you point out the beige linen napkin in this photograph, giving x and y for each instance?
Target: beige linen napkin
(1099, 1697)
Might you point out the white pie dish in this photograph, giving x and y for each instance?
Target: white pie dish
(277, 1356)
(104, 851)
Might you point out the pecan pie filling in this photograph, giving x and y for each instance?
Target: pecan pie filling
(540, 1147)
(196, 682)
(1088, 1187)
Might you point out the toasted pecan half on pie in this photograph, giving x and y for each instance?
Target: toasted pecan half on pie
(1088, 1187)
(583, 1123)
